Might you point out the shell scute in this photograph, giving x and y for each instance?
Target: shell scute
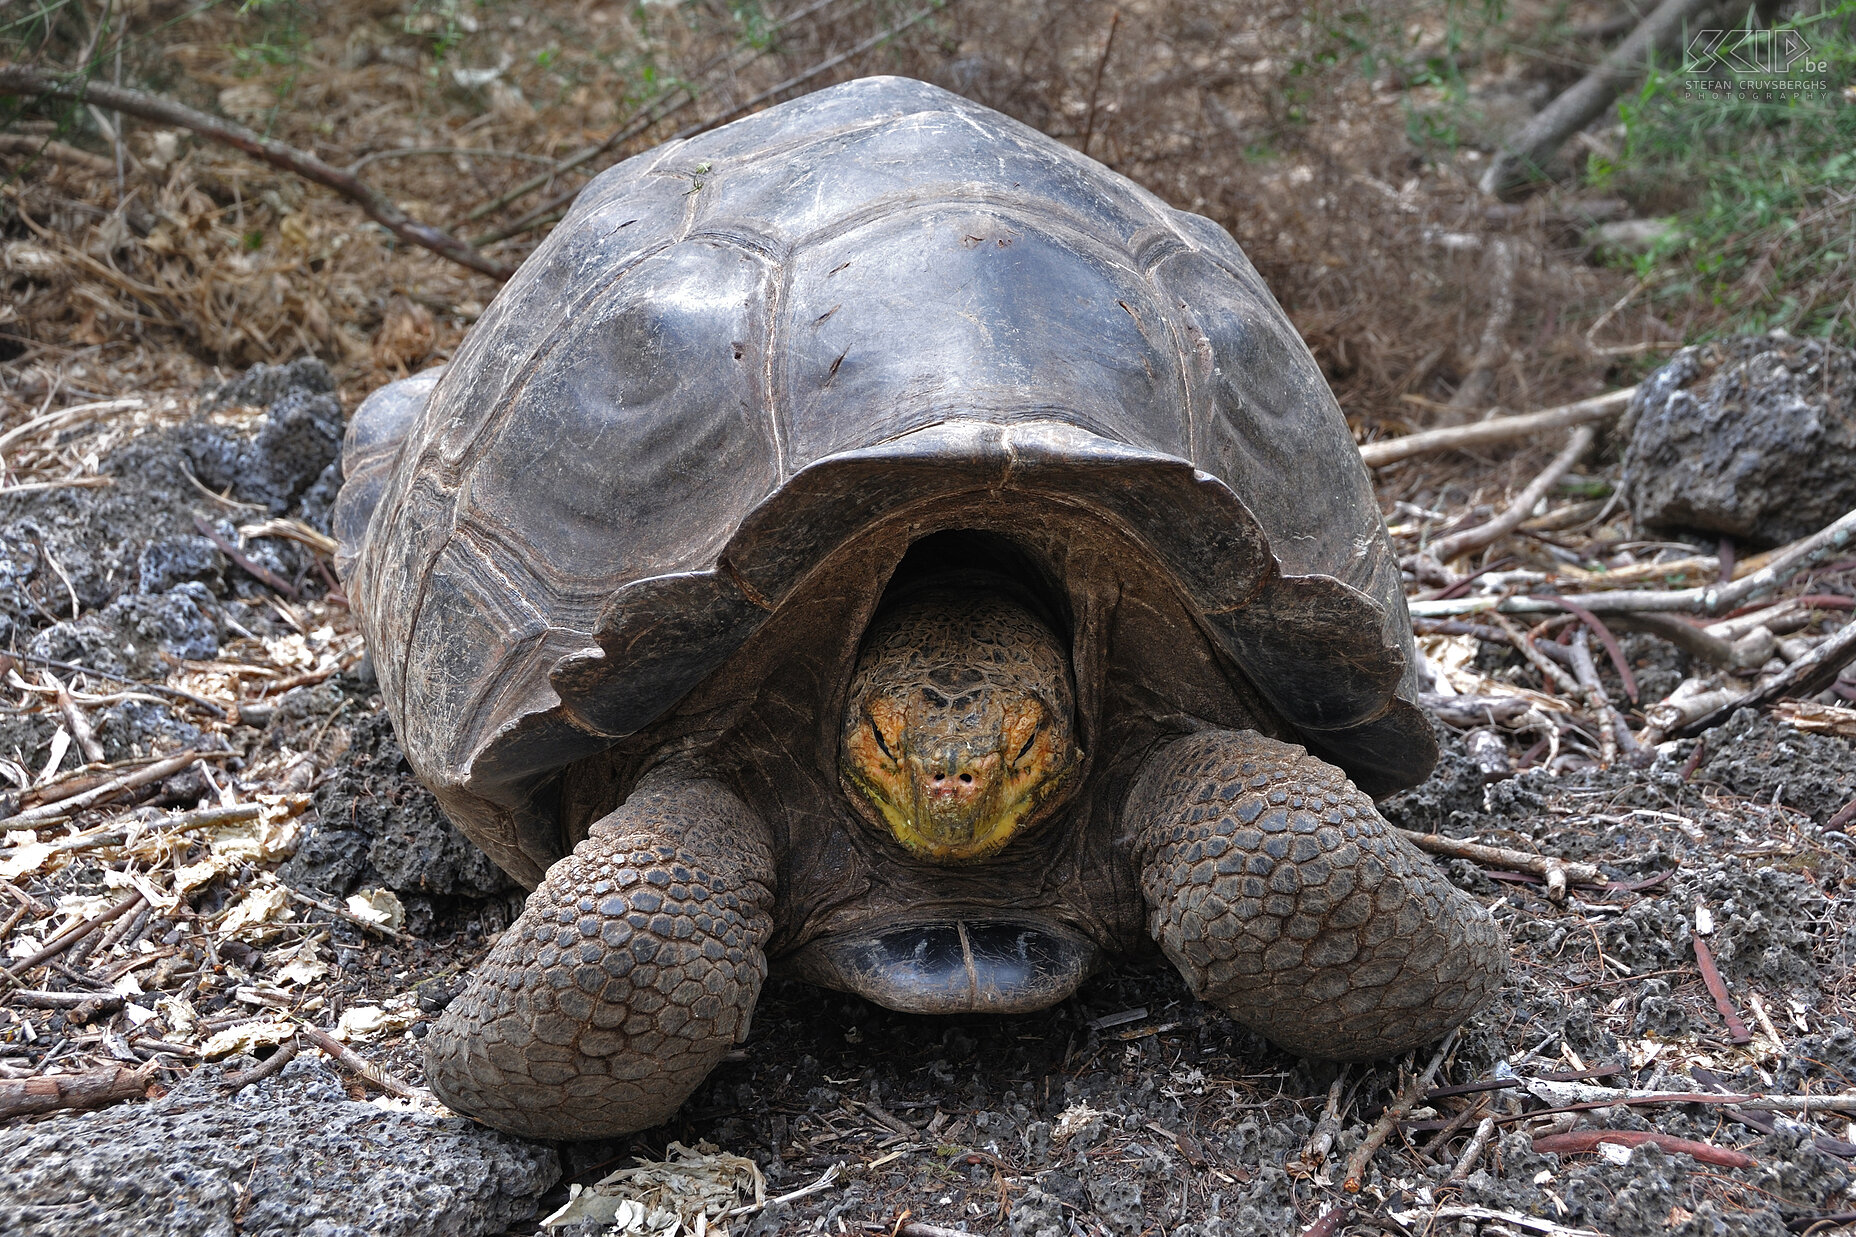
(1006, 316)
(642, 436)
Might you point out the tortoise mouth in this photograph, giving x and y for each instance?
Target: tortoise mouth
(957, 810)
(977, 964)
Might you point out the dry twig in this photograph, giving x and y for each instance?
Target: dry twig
(1590, 1140)
(359, 1065)
(75, 933)
(1832, 539)
(128, 781)
(1473, 1152)
(1558, 873)
(1614, 735)
(1458, 544)
(1499, 429)
(273, 1064)
(1395, 1112)
(1807, 676)
(18, 79)
(1711, 976)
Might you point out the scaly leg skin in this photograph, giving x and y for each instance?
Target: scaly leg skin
(633, 969)
(1285, 899)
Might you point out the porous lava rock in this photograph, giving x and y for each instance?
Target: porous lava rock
(1752, 438)
(289, 1155)
(375, 824)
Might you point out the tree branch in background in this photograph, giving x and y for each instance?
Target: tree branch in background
(543, 213)
(662, 108)
(48, 148)
(1523, 155)
(18, 79)
(1474, 390)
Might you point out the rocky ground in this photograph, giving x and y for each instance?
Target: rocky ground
(265, 910)
(288, 872)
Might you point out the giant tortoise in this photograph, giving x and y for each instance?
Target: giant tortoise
(875, 540)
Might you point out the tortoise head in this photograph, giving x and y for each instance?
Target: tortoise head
(959, 732)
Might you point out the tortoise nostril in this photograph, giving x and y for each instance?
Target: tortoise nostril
(940, 777)
(967, 778)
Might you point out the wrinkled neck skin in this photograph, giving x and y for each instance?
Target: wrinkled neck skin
(959, 731)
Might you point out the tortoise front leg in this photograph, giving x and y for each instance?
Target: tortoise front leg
(1285, 899)
(632, 970)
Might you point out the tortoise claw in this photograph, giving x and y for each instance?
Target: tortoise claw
(632, 970)
(1283, 897)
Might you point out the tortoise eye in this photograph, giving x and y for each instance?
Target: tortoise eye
(876, 732)
(1033, 738)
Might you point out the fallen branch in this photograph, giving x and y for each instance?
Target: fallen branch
(1614, 735)
(1523, 155)
(1498, 429)
(348, 916)
(1591, 1140)
(1558, 873)
(1708, 599)
(68, 483)
(1575, 1096)
(24, 1096)
(18, 79)
(273, 1064)
(47, 148)
(73, 934)
(360, 1066)
(173, 693)
(1805, 677)
(1451, 1128)
(257, 571)
(826, 1180)
(1691, 699)
(1531, 1224)
(1711, 976)
(78, 781)
(1477, 1144)
(128, 781)
(1388, 1121)
(34, 999)
(115, 834)
(1763, 1122)
(1458, 544)
(1315, 1153)
(1612, 649)
(76, 722)
(1464, 712)
(1095, 90)
(1691, 639)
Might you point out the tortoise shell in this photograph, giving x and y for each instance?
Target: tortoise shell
(683, 450)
